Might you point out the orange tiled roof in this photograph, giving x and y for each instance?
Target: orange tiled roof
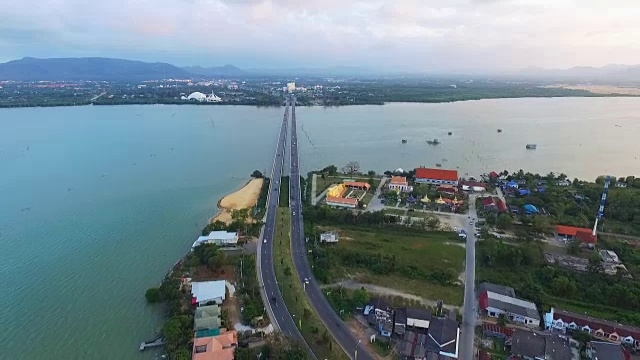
(437, 174)
(340, 200)
(357, 184)
(583, 234)
(398, 180)
(219, 347)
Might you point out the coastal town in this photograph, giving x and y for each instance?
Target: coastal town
(388, 251)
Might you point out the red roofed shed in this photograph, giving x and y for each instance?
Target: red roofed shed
(585, 235)
(436, 176)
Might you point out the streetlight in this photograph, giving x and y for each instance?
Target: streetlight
(355, 353)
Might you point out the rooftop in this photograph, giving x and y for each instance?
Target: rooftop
(498, 289)
(583, 234)
(340, 200)
(208, 290)
(219, 347)
(438, 174)
(357, 184)
(443, 336)
(595, 323)
(509, 304)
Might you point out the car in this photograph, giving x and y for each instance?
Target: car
(294, 213)
(273, 299)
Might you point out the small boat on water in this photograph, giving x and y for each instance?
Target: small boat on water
(532, 146)
(404, 141)
(433, 142)
(438, 165)
(499, 130)
(449, 133)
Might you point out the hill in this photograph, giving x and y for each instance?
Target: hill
(226, 70)
(608, 73)
(89, 68)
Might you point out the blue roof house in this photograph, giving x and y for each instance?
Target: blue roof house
(530, 209)
(512, 184)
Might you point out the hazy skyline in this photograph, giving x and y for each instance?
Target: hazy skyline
(413, 35)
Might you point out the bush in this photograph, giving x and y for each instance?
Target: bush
(153, 295)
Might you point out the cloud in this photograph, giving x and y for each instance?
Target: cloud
(416, 35)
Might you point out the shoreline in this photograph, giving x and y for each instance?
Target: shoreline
(245, 197)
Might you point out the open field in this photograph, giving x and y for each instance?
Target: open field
(426, 264)
(241, 199)
(293, 294)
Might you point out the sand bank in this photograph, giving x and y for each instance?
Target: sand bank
(241, 199)
(601, 89)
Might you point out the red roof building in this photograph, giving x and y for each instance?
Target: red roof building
(488, 201)
(502, 207)
(562, 320)
(357, 185)
(436, 176)
(585, 235)
(493, 175)
(342, 202)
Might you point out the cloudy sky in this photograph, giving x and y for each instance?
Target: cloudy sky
(414, 35)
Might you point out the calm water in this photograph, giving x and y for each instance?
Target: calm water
(97, 203)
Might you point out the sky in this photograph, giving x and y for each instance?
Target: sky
(412, 35)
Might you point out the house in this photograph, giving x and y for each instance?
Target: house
(530, 345)
(413, 345)
(399, 183)
(220, 238)
(502, 207)
(443, 337)
(341, 202)
(417, 318)
(512, 184)
(379, 308)
(521, 182)
(562, 320)
(514, 209)
(436, 176)
(498, 289)
(493, 175)
(600, 350)
(563, 183)
(621, 185)
(208, 291)
(336, 190)
(400, 321)
(516, 310)
(221, 347)
(568, 233)
(523, 192)
(206, 321)
(473, 186)
(329, 237)
(357, 185)
(489, 204)
(448, 189)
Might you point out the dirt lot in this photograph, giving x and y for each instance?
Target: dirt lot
(363, 333)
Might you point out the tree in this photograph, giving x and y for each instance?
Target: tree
(257, 174)
(503, 221)
(152, 295)
(574, 247)
(352, 167)
(629, 180)
(502, 320)
(595, 263)
(371, 173)
(177, 331)
(541, 224)
(330, 170)
(361, 297)
(371, 182)
(433, 223)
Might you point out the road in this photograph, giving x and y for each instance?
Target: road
(469, 312)
(332, 322)
(271, 296)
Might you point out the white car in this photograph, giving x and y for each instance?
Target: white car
(264, 241)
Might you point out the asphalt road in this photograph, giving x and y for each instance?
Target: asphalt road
(271, 295)
(469, 311)
(332, 322)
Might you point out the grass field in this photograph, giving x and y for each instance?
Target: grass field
(323, 184)
(284, 192)
(425, 251)
(314, 332)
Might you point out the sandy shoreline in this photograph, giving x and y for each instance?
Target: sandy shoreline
(600, 89)
(246, 197)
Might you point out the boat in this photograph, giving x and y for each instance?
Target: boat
(499, 130)
(532, 146)
(449, 133)
(438, 165)
(404, 141)
(433, 142)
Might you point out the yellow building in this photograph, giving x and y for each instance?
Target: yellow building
(336, 190)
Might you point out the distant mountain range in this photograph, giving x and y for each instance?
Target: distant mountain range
(108, 69)
(89, 68)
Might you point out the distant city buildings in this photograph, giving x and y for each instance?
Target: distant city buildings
(198, 96)
(291, 87)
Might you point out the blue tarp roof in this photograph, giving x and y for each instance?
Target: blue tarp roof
(530, 208)
(512, 183)
(524, 192)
